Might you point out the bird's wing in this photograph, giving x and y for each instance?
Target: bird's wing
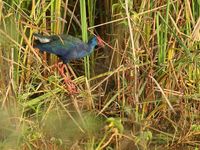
(76, 47)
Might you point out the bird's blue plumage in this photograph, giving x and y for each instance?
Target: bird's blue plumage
(65, 46)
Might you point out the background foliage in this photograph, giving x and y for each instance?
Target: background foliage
(141, 91)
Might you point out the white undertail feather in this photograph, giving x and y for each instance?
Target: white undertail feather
(42, 39)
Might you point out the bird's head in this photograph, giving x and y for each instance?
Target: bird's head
(96, 41)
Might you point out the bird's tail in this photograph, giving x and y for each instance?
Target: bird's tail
(41, 38)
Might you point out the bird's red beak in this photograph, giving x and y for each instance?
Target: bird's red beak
(100, 42)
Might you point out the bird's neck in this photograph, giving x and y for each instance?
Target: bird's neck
(91, 45)
(91, 48)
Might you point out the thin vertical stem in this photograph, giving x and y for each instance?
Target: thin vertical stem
(133, 51)
(84, 35)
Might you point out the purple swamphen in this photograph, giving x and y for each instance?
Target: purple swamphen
(66, 47)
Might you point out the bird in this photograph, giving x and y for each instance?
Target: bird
(66, 47)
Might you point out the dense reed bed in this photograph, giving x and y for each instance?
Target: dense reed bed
(140, 91)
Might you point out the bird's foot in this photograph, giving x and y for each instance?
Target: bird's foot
(57, 66)
(70, 85)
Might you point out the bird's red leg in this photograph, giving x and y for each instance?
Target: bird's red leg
(68, 82)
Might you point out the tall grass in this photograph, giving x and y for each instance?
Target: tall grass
(141, 91)
(84, 34)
